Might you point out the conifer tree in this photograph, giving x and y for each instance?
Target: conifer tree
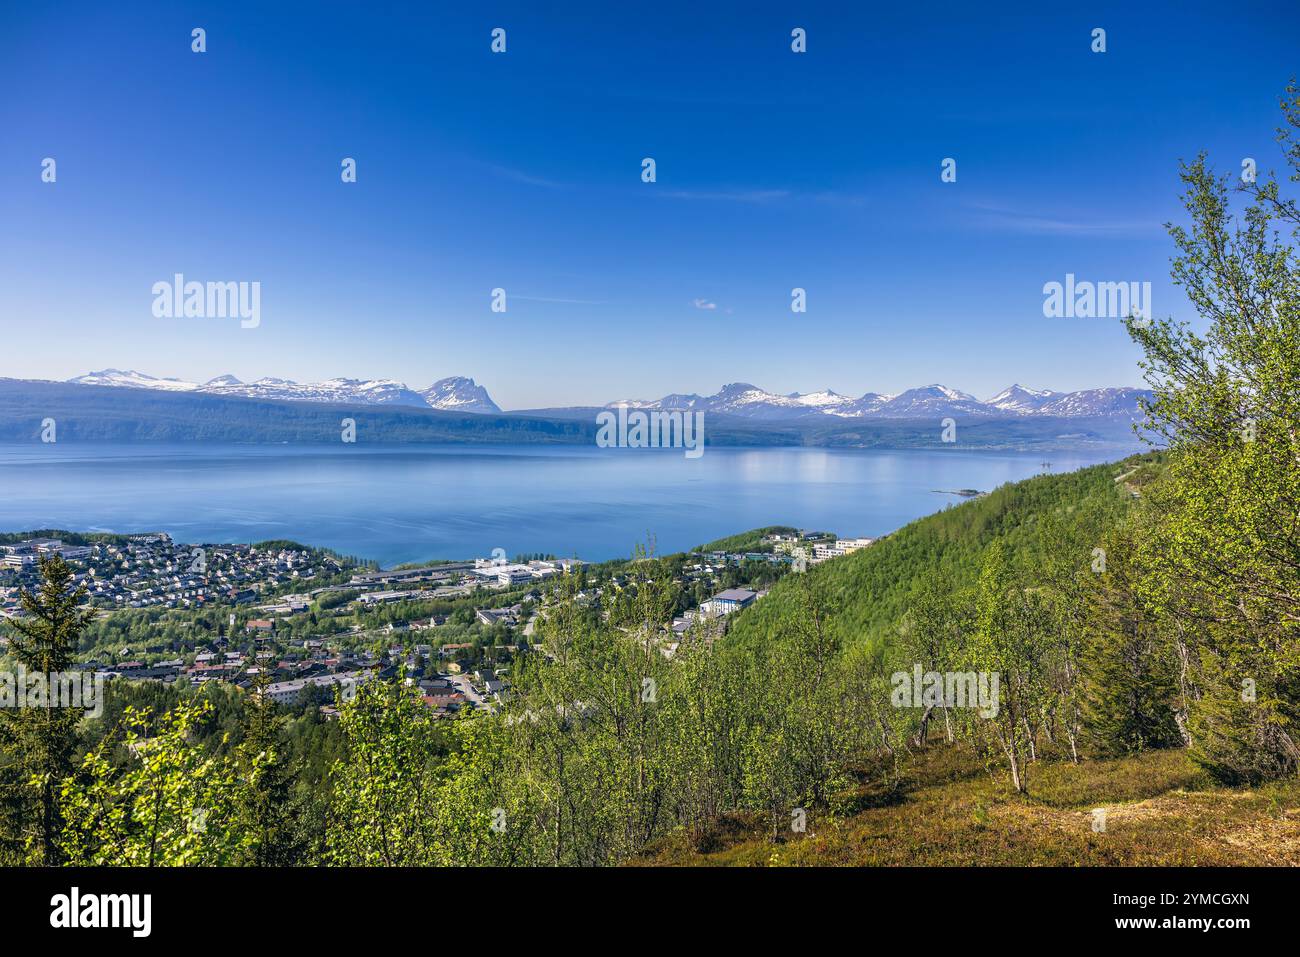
(37, 743)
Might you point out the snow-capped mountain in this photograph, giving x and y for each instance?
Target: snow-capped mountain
(1018, 399)
(927, 402)
(744, 399)
(740, 399)
(867, 405)
(827, 400)
(1095, 402)
(131, 379)
(365, 391)
(930, 401)
(459, 394)
(748, 401)
(456, 393)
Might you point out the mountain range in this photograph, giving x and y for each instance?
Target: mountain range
(740, 399)
(456, 393)
(749, 401)
(462, 394)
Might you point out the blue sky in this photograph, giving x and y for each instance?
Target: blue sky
(522, 171)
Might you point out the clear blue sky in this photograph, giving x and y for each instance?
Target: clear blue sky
(522, 171)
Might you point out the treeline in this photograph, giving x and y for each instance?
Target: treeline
(68, 538)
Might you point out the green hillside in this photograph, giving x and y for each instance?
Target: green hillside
(751, 541)
(867, 591)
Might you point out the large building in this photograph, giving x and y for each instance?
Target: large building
(843, 546)
(513, 573)
(290, 692)
(725, 602)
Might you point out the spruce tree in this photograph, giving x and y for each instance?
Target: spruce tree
(268, 805)
(37, 743)
(1130, 689)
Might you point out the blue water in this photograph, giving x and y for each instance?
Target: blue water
(409, 503)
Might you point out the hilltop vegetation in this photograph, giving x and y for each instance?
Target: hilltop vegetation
(868, 590)
(751, 541)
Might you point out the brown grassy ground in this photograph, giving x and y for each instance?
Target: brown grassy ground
(948, 810)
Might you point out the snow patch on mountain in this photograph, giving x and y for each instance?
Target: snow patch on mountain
(130, 379)
(1017, 398)
(825, 400)
(459, 394)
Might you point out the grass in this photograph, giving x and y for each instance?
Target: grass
(949, 811)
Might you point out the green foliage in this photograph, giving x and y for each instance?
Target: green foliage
(1222, 565)
(1011, 639)
(172, 804)
(750, 541)
(869, 590)
(1131, 692)
(267, 808)
(37, 744)
(384, 789)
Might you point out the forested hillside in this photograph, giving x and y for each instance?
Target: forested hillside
(867, 591)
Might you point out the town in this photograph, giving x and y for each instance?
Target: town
(308, 625)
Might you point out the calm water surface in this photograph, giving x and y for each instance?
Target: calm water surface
(408, 503)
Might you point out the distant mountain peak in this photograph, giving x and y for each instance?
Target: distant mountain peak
(937, 388)
(1016, 398)
(133, 379)
(1017, 389)
(824, 399)
(460, 394)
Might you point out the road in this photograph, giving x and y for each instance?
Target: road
(463, 685)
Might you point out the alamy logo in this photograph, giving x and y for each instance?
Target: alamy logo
(74, 910)
(59, 689)
(950, 689)
(651, 430)
(179, 299)
(1096, 300)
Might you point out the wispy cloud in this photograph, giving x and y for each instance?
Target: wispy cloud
(992, 215)
(704, 304)
(572, 302)
(756, 197)
(728, 195)
(519, 176)
(762, 197)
